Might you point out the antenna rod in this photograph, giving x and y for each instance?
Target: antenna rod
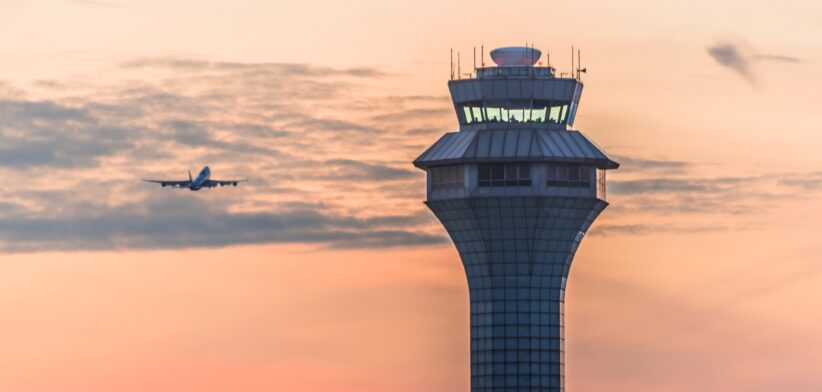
(452, 63)
(579, 65)
(459, 67)
(572, 62)
(482, 55)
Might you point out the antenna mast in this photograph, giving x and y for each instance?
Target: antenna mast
(579, 65)
(452, 63)
(572, 62)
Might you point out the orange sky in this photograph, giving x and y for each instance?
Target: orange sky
(326, 272)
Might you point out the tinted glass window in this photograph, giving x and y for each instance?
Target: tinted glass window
(447, 177)
(504, 174)
(569, 175)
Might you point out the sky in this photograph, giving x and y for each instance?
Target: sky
(326, 272)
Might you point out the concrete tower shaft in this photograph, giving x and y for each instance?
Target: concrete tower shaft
(517, 190)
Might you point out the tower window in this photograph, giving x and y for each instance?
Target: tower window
(447, 177)
(472, 112)
(516, 111)
(569, 175)
(504, 174)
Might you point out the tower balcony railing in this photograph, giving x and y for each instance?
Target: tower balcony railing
(508, 71)
(602, 193)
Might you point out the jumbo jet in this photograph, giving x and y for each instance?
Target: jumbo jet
(203, 180)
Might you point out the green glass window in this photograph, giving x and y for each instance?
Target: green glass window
(477, 111)
(469, 117)
(516, 111)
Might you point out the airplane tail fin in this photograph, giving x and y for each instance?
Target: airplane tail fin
(189, 177)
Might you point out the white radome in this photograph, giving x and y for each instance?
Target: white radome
(515, 55)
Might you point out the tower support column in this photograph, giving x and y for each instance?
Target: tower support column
(517, 253)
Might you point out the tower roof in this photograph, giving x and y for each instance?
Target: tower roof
(515, 145)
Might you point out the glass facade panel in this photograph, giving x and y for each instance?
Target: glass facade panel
(516, 115)
(538, 114)
(468, 118)
(553, 115)
(515, 111)
(447, 177)
(573, 173)
(504, 174)
(477, 111)
(493, 114)
(569, 175)
(516, 271)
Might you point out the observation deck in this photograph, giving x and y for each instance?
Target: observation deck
(516, 93)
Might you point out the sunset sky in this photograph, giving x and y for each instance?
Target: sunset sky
(326, 272)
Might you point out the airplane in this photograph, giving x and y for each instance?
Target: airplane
(203, 180)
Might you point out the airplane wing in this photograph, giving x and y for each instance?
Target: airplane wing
(215, 183)
(172, 183)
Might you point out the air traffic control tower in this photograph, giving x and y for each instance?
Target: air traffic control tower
(517, 188)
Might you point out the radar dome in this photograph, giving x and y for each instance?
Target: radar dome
(515, 55)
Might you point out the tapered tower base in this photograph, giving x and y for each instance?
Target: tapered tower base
(517, 252)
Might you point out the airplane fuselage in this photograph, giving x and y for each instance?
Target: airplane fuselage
(202, 178)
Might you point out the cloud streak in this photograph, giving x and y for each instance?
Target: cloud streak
(76, 162)
(282, 69)
(730, 56)
(648, 229)
(175, 221)
(739, 58)
(328, 163)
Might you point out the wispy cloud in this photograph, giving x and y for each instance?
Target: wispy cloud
(687, 193)
(740, 58)
(678, 185)
(329, 162)
(251, 69)
(809, 183)
(314, 172)
(637, 164)
(776, 57)
(349, 169)
(731, 56)
(646, 229)
(174, 221)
